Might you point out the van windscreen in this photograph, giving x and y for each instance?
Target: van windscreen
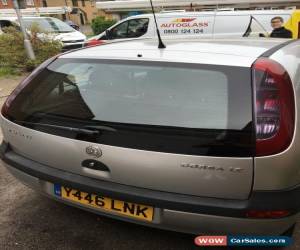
(199, 108)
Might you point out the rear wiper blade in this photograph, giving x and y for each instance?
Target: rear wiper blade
(67, 128)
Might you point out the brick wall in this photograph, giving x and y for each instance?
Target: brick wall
(36, 3)
(89, 8)
(8, 6)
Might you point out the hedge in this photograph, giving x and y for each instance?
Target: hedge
(100, 24)
(13, 56)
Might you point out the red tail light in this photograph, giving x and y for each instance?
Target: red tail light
(93, 42)
(26, 81)
(258, 214)
(275, 107)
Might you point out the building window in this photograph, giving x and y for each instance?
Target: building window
(45, 3)
(83, 3)
(30, 2)
(75, 3)
(4, 2)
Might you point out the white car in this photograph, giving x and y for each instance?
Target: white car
(53, 28)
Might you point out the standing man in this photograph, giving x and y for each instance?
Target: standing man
(278, 30)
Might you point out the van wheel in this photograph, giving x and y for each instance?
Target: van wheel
(290, 231)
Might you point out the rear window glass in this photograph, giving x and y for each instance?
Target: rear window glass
(160, 94)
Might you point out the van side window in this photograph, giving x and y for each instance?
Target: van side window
(119, 31)
(130, 29)
(255, 29)
(138, 27)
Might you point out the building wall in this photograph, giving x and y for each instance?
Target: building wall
(35, 3)
(8, 6)
(55, 3)
(89, 10)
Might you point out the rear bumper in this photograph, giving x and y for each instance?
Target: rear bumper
(176, 212)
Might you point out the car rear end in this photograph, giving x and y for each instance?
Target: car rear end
(168, 143)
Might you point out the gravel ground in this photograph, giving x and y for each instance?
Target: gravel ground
(29, 220)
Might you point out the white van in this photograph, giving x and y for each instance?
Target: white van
(202, 24)
(54, 29)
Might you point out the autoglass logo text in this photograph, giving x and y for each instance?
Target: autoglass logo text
(185, 23)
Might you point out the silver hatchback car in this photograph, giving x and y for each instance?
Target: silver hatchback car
(199, 137)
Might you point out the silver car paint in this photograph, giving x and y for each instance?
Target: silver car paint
(276, 172)
(153, 170)
(230, 52)
(282, 171)
(177, 220)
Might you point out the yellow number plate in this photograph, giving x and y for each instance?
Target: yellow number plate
(104, 203)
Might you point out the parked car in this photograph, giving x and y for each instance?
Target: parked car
(200, 24)
(72, 24)
(199, 137)
(51, 28)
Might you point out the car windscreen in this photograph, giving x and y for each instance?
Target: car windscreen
(48, 25)
(213, 102)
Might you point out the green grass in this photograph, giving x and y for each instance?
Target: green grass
(9, 72)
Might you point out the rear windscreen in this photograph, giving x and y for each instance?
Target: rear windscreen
(198, 106)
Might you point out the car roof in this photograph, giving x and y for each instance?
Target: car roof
(235, 52)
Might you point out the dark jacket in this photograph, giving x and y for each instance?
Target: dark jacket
(281, 33)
